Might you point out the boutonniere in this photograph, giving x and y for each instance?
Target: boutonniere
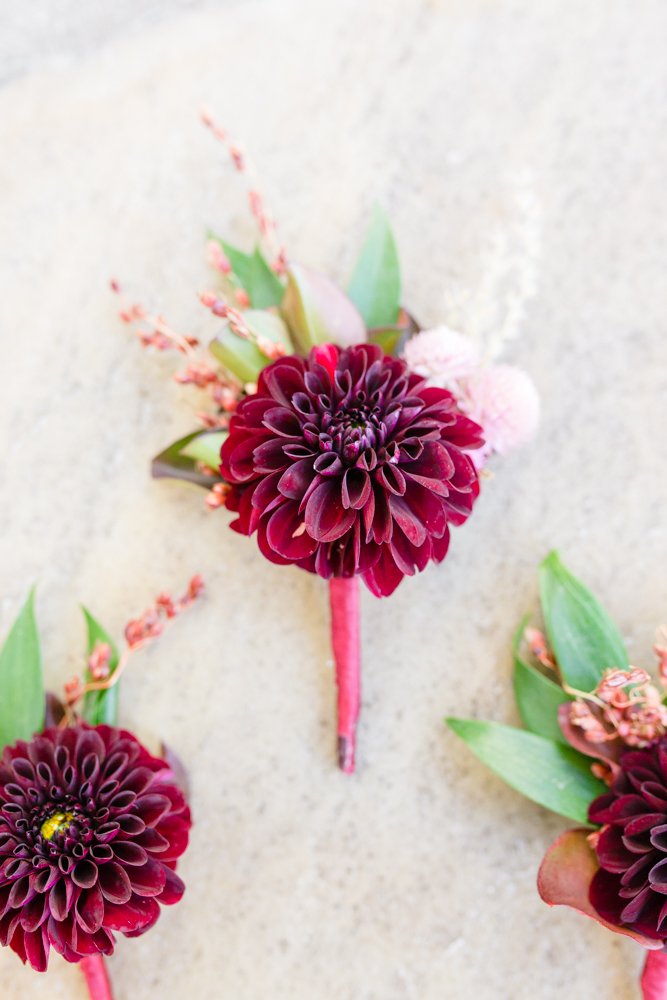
(340, 434)
(92, 823)
(594, 749)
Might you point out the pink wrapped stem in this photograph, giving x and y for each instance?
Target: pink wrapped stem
(344, 600)
(654, 976)
(97, 979)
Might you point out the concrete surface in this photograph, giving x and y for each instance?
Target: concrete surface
(520, 149)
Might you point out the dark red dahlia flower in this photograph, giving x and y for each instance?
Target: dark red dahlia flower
(346, 463)
(91, 826)
(630, 887)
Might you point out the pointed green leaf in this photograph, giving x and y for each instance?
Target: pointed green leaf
(100, 707)
(375, 286)
(254, 274)
(240, 261)
(206, 448)
(317, 311)
(264, 286)
(21, 683)
(242, 357)
(553, 775)
(581, 633)
(173, 463)
(538, 700)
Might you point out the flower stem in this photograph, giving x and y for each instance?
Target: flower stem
(97, 978)
(344, 601)
(654, 976)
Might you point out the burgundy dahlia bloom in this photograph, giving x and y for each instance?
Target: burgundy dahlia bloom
(630, 887)
(346, 463)
(91, 826)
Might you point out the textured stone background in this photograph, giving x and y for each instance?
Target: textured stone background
(520, 149)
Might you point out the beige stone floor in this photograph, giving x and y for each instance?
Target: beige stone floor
(520, 148)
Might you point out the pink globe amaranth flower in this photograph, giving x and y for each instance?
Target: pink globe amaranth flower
(346, 463)
(504, 401)
(630, 887)
(441, 355)
(91, 825)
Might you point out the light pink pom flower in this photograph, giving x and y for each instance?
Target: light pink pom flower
(443, 356)
(504, 400)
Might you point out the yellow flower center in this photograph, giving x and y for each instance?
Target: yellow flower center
(56, 824)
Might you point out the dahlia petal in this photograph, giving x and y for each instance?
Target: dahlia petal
(392, 479)
(149, 880)
(355, 489)
(645, 824)
(267, 550)
(658, 876)
(138, 913)
(434, 463)
(632, 911)
(36, 950)
(84, 874)
(328, 464)
(612, 854)
(411, 526)
(129, 853)
(655, 795)
(283, 421)
(635, 876)
(35, 912)
(20, 892)
(440, 546)
(114, 883)
(268, 457)
(241, 459)
(282, 380)
(89, 742)
(152, 807)
(61, 898)
(659, 836)
(604, 896)
(89, 909)
(174, 887)
(384, 577)
(286, 533)
(382, 525)
(265, 492)
(326, 518)
(295, 480)
(153, 841)
(60, 933)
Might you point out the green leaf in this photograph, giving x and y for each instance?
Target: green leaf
(264, 286)
(240, 261)
(254, 274)
(21, 682)
(553, 775)
(582, 635)
(206, 448)
(375, 286)
(242, 357)
(538, 700)
(173, 463)
(317, 311)
(100, 707)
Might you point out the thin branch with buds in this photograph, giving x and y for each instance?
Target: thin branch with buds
(138, 632)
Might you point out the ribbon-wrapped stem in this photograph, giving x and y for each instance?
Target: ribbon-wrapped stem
(654, 976)
(345, 640)
(97, 978)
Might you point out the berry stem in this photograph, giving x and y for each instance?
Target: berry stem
(344, 601)
(97, 978)
(654, 976)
